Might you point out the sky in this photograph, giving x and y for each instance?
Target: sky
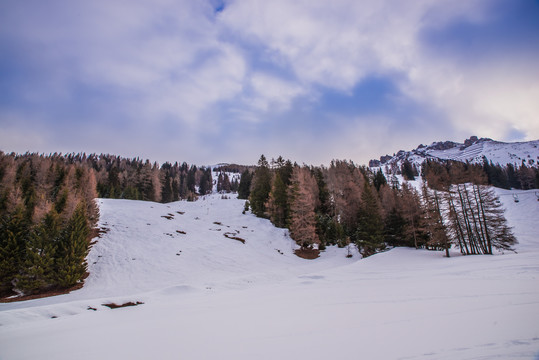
(210, 81)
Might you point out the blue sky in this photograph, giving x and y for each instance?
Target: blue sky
(213, 81)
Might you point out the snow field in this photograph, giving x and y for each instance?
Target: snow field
(221, 299)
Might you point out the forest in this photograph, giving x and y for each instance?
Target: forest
(49, 215)
(347, 204)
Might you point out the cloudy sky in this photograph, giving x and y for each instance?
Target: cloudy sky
(207, 81)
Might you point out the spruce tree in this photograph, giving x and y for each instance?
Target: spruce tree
(244, 188)
(369, 234)
(73, 246)
(261, 187)
(206, 183)
(379, 180)
(38, 273)
(408, 170)
(278, 202)
(166, 190)
(13, 237)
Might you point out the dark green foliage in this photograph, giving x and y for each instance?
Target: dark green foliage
(61, 203)
(278, 206)
(278, 202)
(191, 178)
(512, 177)
(132, 193)
(394, 225)
(284, 169)
(206, 182)
(13, 237)
(261, 188)
(166, 189)
(39, 268)
(323, 192)
(244, 188)
(72, 249)
(442, 174)
(369, 236)
(329, 231)
(379, 179)
(408, 170)
(495, 175)
(223, 183)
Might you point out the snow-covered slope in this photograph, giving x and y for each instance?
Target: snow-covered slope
(207, 245)
(472, 150)
(207, 296)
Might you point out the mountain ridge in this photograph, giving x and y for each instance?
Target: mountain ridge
(473, 150)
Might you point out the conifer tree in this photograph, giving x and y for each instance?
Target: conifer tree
(408, 170)
(278, 202)
(261, 187)
(13, 237)
(39, 272)
(369, 234)
(379, 179)
(166, 190)
(244, 187)
(73, 246)
(206, 183)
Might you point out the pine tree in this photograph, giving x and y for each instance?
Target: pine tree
(261, 187)
(73, 246)
(369, 234)
(38, 273)
(13, 234)
(244, 188)
(379, 180)
(408, 170)
(278, 206)
(166, 190)
(206, 183)
(394, 227)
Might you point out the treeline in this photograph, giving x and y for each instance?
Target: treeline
(521, 177)
(47, 213)
(135, 179)
(348, 204)
(511, 177)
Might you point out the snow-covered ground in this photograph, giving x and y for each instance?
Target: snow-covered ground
(207, 296)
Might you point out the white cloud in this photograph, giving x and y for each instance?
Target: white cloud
(337, 44)
(270, 92)
(177, 61)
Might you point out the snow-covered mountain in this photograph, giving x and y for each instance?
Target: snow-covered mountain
(473, 150)
(213, 283)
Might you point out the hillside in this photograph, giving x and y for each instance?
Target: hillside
(473, 150)
(208, 296)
